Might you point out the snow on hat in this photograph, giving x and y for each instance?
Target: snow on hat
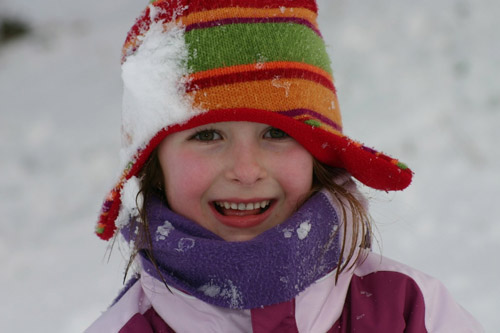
(187, 63)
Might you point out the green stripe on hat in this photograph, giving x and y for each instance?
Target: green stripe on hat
(253, 43)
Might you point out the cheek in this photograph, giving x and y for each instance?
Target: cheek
(295, 173)
(186, 177)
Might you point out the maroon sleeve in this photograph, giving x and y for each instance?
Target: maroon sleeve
(275, 318)
(382, 302)
(149, 322)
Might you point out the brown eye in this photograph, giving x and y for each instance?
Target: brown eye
(207, 135)
(275, 133)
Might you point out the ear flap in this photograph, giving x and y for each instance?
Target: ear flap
(375, 169)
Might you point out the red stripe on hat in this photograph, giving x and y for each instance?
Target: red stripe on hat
(268, 74)
(250, 20)
(200, 5)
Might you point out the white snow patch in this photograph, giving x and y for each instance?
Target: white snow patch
(288, 232)
(185, 244)
(284, 279)
(233, 294)
(210, 290)
(154, 80)
(303, 229)
(130, 202)
(227, 291)
(281, 84)
(261, 60)
(163, 230)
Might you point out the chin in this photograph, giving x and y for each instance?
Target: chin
(238, 237)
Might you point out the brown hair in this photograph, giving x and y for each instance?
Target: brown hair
(324, 176)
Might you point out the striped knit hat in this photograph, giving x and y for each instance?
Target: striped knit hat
(187, 63)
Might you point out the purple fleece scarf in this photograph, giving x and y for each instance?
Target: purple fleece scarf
(271, 268)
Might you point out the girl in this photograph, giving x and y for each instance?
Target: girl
(236, 197)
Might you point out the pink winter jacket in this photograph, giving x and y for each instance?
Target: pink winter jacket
(379, 295)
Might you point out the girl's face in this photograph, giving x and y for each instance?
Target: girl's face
(236, 179)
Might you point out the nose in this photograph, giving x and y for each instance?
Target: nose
(246, 165)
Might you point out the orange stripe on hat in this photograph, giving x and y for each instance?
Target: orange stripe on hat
(239, 12)
(272, 95)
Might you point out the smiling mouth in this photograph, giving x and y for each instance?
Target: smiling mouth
(227, 208)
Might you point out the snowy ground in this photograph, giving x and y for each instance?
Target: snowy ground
(417, 79)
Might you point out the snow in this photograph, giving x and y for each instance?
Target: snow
(153, 82)
(210, 290)
(278, 83)
(288, 232)
(418, 80)
(131, 199)
(227, 291)
(185, 244)
(231, 292)
(164, 230)
(303, 230)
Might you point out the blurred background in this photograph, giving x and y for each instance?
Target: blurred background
(418, 80)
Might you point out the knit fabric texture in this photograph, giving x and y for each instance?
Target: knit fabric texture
(259, 272)
(244, 60)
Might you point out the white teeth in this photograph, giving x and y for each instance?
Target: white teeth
(243, 206)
